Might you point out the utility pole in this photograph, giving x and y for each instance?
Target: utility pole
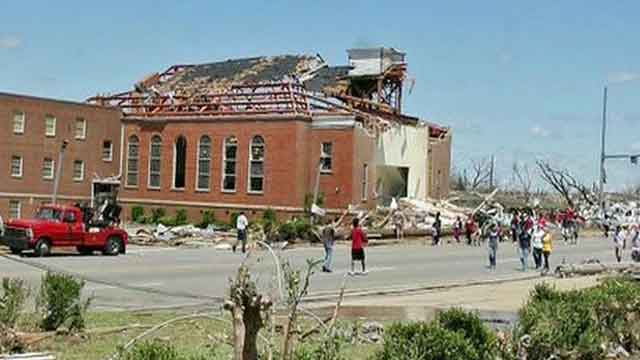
(491, 175)
(602, 147)
(56, 181)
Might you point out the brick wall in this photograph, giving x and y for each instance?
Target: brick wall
(33, 146)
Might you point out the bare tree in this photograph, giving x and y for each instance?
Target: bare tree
(480, 173)
(564, 182)
(523, 178)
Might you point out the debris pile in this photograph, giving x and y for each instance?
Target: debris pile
(185, 235)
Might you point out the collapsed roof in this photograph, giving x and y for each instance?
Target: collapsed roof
(369, 88)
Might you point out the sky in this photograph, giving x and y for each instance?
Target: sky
(520, 80)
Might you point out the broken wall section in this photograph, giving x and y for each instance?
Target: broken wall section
(401, 158)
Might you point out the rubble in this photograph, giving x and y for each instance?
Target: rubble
(184, 235)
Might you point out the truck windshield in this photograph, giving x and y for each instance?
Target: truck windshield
(48, 214)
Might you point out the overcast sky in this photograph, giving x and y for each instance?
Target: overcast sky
(518, 79)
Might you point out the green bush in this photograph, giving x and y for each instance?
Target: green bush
(137, 214)
(329, 348)
(303, 229)
(581, 321)
(208, 218)
(14, 294)
(423, 341)
(158, 350)
(472, 329)
(60, 302)
(157, 214)
(287, 231)
(181, 217)
(233, 218)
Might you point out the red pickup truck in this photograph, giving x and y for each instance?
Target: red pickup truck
(62, 226)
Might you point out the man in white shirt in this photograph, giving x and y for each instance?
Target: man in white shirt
(241, 227)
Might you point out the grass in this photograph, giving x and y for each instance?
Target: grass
(191, 337)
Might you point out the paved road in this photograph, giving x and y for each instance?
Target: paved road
(197, 276)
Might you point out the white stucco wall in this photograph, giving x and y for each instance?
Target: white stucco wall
(406, 146)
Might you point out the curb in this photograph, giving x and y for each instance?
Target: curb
(331, 295)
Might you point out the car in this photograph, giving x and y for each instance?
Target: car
(63, 226)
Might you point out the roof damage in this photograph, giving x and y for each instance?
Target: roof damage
(369, 88)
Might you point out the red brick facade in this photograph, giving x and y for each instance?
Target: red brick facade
(291, 155)
(32, 146)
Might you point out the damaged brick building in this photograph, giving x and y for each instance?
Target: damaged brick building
(267, 132)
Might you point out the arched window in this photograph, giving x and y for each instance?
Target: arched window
(204, 163)
(229, 153)
(256, 165)
(132, 160)
(179, 163)
(155, 160)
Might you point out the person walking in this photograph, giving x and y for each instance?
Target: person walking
(328, 240)
(241, 228)
(619, 242)
(469, 229)
(524, 243)
(398, 224)
(437, 226)
(358, 242)
(515, 226)
(537, 236)
(457, 229)
(546, 251)
(493, 238)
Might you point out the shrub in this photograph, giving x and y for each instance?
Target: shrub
(12, 299)
(233, 218)
(303, 229)
(157, 214)
(153, 350)
(208, 218)
(137, 214)
(60, 302)
(423, 341)
(328, 349)
(471, 328)
(287, 231)
(582, 320)
(269, 223)
(181, 217)
(158, 350)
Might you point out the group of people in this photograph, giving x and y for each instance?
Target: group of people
(627, 236)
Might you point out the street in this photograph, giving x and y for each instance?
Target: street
(151, 277)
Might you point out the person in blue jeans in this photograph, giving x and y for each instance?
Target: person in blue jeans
(524, 242)
(493, 238)
(328, 240)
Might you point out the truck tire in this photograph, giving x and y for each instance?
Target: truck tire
(112, 248)
(43, 248)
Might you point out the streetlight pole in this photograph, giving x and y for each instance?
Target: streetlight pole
(602, 147)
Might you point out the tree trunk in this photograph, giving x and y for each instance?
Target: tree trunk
(239, 332)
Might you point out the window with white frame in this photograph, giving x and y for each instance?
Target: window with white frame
(16, 166)
(15, 209)
(78, 170)
(326, 161)
(132, 161)
(155, 160)
(48, 169)
(18, 122)
(81, 129)
(365, 181)
(107, 150)
(204, 163)
(229, 153)
(256, 165)
(49, 125)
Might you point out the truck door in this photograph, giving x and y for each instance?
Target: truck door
(75, 228)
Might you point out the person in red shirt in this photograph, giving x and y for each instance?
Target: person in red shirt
(358, 242)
